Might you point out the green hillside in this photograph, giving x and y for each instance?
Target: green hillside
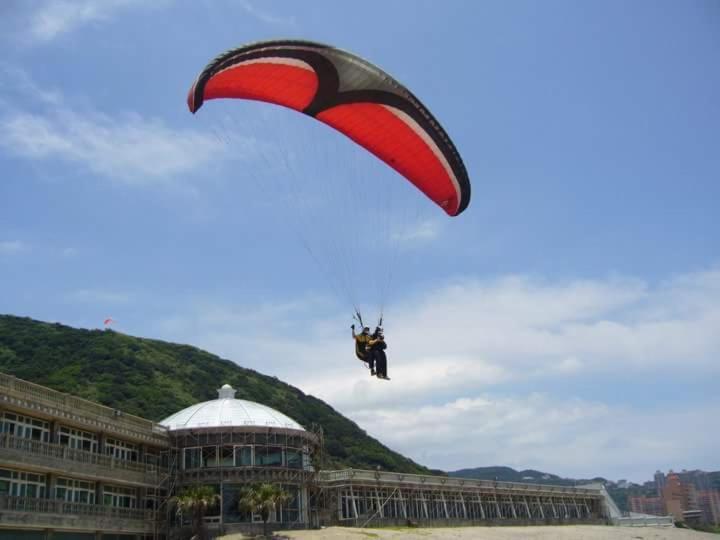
(528, 476)
(154, 379)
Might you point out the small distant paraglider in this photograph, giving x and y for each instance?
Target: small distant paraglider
(107, 322)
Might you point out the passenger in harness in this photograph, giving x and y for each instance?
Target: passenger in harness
(361, 342)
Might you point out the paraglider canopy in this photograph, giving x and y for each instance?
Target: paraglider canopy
(353, 96)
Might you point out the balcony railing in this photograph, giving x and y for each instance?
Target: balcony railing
(450, 482)
(123, 422)
(55, 506)
(61, 452)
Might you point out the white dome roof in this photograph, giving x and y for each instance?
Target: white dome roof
(226, 411)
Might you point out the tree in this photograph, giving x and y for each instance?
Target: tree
(262, 499)
(195, 501)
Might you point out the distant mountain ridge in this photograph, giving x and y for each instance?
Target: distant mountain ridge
(154, 379)
(528, 476)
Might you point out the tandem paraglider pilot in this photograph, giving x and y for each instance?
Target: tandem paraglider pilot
(371, 350)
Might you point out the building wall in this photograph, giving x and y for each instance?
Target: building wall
(709, 503)
(679, 497)
(230, 459)
(654, 506)
(659, 482)
(68, 464)
(354, 497)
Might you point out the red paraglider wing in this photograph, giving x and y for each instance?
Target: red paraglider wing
(351, 95)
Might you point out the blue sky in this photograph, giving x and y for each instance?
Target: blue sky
(567, 321)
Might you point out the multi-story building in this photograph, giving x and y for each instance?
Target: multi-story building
(71, 469)
(659, 482)
(647, 505)
(709, 504)
(700, 479)
(75, 466)
(680, 497)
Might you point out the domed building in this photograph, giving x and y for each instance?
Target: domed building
(72, 469)
(230, 443)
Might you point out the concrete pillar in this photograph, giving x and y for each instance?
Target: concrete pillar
(54, 436)
(51, 482)
(99, 493)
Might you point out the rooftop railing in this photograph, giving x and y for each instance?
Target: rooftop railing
(55, 506)
(356, 475)
(76, 406)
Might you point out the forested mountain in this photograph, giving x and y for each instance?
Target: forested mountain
(528, 476)
(154, 379)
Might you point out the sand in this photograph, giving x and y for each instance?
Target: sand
(568, 532)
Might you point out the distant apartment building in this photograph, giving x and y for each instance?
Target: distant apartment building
(680, 497)
(647, 505)
(709, 504)
(659, 482)
(699, 479)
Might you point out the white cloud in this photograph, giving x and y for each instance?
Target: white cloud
(17, 81)
(569, 436)
(55, 17)
(265, 16)
(129, 148)
(11, 247)
(69, 252)
(98, 296)
(457, 352)
(417, 233)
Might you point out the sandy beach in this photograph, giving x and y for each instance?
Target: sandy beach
(569, 532)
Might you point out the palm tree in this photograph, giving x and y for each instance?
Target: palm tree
(262, 499)
(195, 501)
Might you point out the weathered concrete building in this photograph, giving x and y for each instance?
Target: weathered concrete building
(74, 469)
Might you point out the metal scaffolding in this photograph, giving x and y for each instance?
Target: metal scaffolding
(371, 497)
(221, 474)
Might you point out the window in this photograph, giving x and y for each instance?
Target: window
(25, 427)
(294, 459)
(121, 450)
(80, 440)
(269, 456)
(243, 456)
(192, 458)
(200, 457)
(77, 491)
(152, 457)
(227, 458)
(119, 497)
(209, 456)
(22, 484)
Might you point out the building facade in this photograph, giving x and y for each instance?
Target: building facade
(659, 482)
(71, 469)
(75, 467)
(654, 506)
(680, 498)
(709, 505)
(229, 443)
